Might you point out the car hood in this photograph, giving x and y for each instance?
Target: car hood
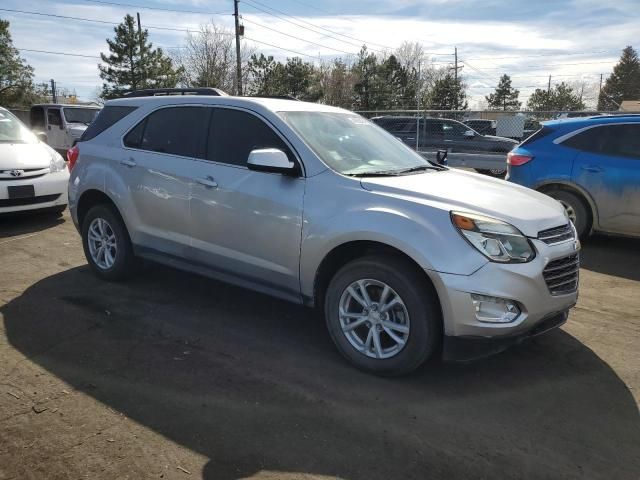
(77, 129)
(526, 209)
(23, 156)
(501, 139)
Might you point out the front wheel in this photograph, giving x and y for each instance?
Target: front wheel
(383, 315)
(493, 172)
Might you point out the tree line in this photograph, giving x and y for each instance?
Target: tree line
(400, 80)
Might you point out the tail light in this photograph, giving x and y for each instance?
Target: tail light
(517, 159)
(72, 156)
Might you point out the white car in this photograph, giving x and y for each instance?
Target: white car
(60, 126)
(33, 176)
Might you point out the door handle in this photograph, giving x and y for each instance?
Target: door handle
(208, 182)
(592, 168)
(128, 163)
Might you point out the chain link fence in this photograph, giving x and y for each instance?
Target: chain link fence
(478, 139)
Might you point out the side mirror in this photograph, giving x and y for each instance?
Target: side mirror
(441, 157)
(270, 160)
(469, 134)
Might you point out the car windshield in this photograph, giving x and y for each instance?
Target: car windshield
(352, 145)
(80, 115)
(13, 130)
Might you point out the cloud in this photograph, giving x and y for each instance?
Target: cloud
(539, 35)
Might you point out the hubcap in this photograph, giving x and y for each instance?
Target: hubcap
(570, 211)
(102, 243)
(374, 319)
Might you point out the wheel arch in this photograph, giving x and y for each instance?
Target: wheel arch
(551, 185)
(351, 250)
(91, 198)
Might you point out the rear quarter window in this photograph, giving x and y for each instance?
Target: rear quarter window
(543, 132)
(107, 117)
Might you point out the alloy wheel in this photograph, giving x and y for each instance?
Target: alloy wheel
(102, 243)
(374, 318)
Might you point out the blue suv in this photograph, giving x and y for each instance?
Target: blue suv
(590, 165)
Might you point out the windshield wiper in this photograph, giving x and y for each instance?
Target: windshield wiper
(379, 173)
(421, 168)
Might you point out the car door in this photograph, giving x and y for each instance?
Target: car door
(457, 141)
(246, 225)
(156, 167)
(608, 168)
(432, 135)
(55, 130)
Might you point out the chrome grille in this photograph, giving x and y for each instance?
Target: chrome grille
(25, 174)
(555, 235)
(562, 275)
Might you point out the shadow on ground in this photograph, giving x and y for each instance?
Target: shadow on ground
(254, 384)
(15, 224)
(617, 256)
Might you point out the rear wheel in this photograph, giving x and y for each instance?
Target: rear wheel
(106, 243)
(576, 209)
(383, 315)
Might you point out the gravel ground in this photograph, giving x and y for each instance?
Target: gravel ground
(171, 375)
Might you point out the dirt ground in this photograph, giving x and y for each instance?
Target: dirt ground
(171, 375)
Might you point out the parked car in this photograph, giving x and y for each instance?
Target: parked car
(591, 165)
(317, 205)
(451, 135)
(483, 127)
(32, 175)
(60, 126)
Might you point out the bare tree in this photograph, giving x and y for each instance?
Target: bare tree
(209, 57)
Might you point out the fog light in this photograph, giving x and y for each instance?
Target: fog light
(494, 310)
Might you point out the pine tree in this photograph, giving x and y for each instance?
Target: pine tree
(561, 97)
(134, 64)
(448, 93)
(505, 96)
(624, 82)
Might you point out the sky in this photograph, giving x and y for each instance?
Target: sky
(571, 40)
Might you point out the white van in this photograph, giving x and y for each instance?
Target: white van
(60, 126)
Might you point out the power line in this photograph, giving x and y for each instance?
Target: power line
(542, 55)
(67, 54)
(280, 48)
(552, 65)
(251, 4)
(130, 5)
(297, 38)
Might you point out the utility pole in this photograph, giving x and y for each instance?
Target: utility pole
(455, 76)
(140, 40)
(418, 100)
(600, 90)
(54, 96)
(549, 86)
(238, 61)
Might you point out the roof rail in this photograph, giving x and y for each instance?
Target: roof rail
(281, 97)
(156, 92)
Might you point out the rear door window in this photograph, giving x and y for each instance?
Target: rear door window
(234, 133)
(108, 116)
(54, 117)
(616, 140)
(175, 130)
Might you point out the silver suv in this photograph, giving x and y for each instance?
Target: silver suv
(317, 205)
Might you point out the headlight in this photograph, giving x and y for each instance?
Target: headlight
(57, 162)
(495, 239)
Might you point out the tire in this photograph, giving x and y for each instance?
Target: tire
(494, 172)
(123, 262)
(576, 208)
(422, 333)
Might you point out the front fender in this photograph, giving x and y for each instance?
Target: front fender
(429, 239)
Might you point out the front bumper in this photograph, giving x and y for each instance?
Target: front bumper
(523, 283)
(467, 348)
(50, 191)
